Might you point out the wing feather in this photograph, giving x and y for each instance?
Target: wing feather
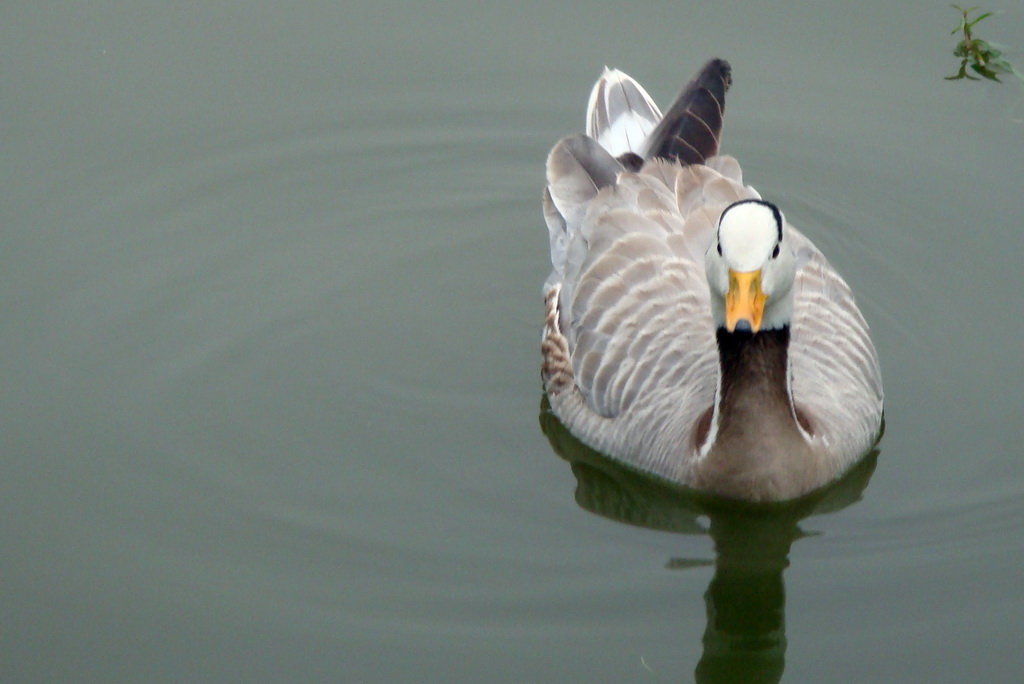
(834, 366)
(620, 113)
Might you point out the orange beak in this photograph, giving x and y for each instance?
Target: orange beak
(745, 300)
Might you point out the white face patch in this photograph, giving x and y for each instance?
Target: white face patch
(748, 233)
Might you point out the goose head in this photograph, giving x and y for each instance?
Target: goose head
(750, 269)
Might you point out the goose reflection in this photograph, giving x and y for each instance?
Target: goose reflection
(745, 637)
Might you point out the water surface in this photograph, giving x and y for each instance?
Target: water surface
(271, 309)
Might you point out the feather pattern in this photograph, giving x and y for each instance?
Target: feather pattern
(691, 129)
(620, 113)
(631, 364)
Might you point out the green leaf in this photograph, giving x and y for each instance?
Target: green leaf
(986, 72)
(960, 74)
(985, 47)
(977, 19)
(1000, 64)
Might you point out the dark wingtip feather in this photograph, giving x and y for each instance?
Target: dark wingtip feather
(692, 127)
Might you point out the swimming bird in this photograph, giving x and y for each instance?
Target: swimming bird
(691, 332)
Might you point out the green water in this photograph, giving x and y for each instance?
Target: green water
(270, 282)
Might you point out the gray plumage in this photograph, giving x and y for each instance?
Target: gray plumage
(631, 364)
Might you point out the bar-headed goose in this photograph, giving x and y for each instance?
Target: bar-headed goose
(691, 331)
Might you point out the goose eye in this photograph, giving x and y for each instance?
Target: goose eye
(775, 252)
(719, 249)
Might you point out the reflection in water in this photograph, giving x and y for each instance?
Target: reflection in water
(745, 637)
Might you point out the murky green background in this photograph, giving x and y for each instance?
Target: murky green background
(269, 324)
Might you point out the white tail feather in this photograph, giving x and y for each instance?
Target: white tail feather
(620, 114)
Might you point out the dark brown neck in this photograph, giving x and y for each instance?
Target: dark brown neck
(754, 370)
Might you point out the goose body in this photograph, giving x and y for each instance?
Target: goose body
(649, 355)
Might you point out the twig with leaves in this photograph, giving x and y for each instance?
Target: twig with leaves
(981, 56)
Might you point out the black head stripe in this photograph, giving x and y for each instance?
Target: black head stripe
(774, 209)
(778, 217)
